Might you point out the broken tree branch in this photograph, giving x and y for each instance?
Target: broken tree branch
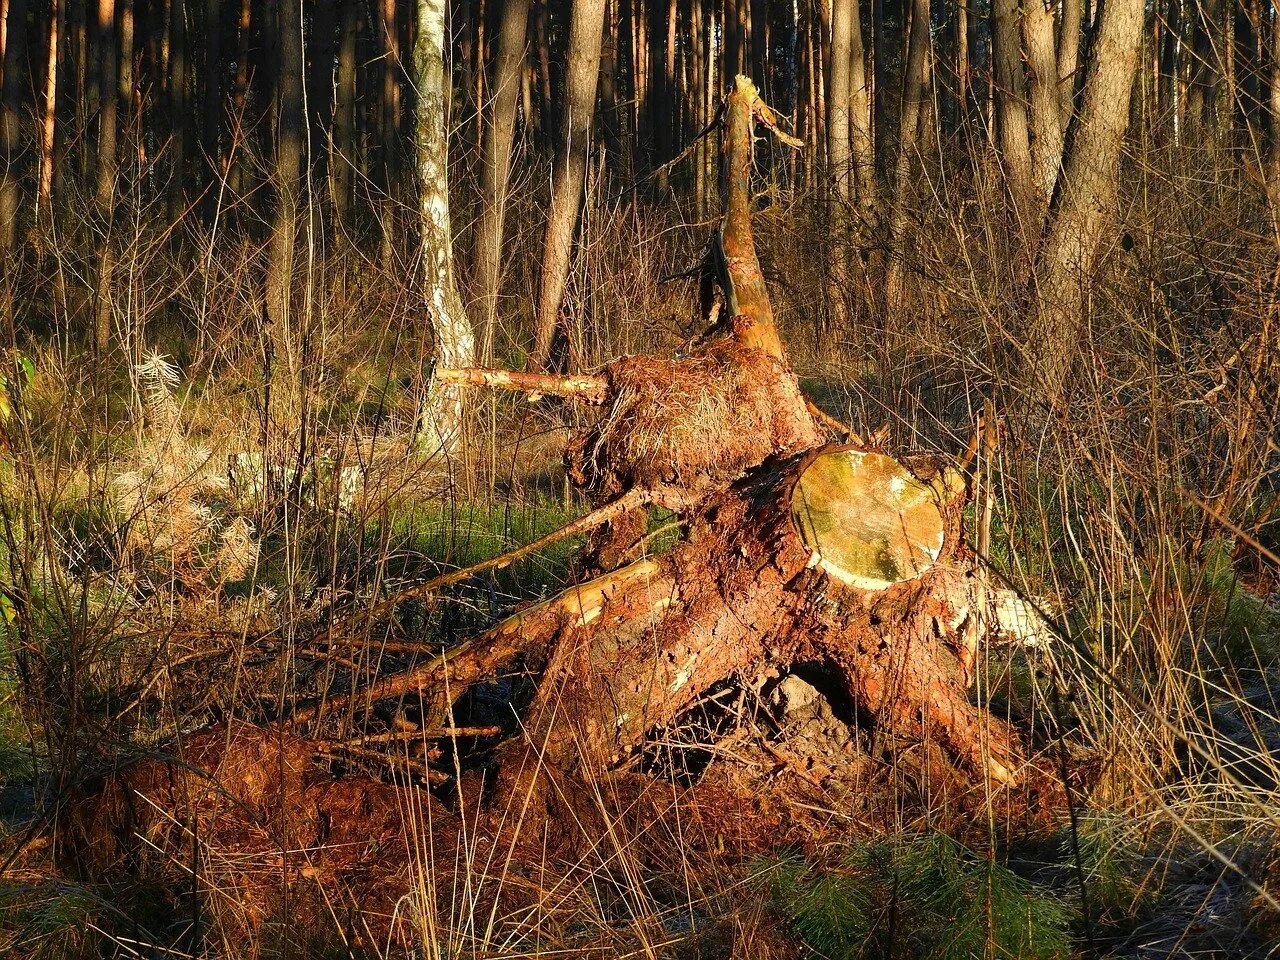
(587, 387)
(601, 515)
(483, 655)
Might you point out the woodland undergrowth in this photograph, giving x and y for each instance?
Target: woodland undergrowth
(175, 510)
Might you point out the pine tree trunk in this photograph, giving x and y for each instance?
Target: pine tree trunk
(582, 71)
(13, 142)
(495, 161)
(343, 158)
(454, 342)
(288, 163)
(104, 197)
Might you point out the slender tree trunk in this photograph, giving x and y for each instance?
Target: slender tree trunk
(455, 344)
(582, 71)
(125, 86)
(290, 130)
(211, 120)
(1046, 105)
(389, 100)
(1087, 200)
(13, 143)
(1069, 58)
(840, 187)
(862, 154)
(495, 160)
(48, 122)
(1011, 106)
(104, 195)
(343, 155)
(178, 118)
(960, 62)
(1273, 165)
(913, 92)
(240, 92)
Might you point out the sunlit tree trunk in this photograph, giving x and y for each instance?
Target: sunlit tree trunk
(1046, 105)
(1273, 165)
(104, 195)
(1069, 57)
(1087, 200)
(499, 130)
(1014, 129)
(455, 344)
(913, 92)
(567, 185)
(48, 120)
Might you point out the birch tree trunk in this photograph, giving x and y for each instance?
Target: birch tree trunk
(495, 160)
(1089, 194)
(455, 344)
(583, 68)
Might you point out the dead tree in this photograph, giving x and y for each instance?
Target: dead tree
(795, 550)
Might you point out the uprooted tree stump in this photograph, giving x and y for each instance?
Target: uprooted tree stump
(795, 550)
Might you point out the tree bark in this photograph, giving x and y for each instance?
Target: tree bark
(290, 130)
(913, 92)
(343, 157)
(177, 97)
(1089, 194)
(1069, 58)
(13, 143)
(1273, 157)
(1046, 103)
(585, 28)
(48, 121)
(495, 161)
(104, 196)
(1011, 105)
(455, 344)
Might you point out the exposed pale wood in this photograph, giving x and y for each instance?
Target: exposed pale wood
(589, 388)
(866, 519)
